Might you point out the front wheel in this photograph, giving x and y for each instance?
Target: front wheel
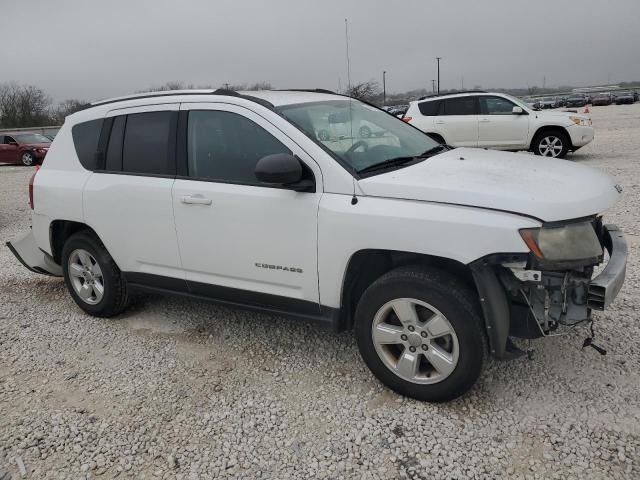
(365, 132)
(420, 332)
(27, 159)
(552, 143)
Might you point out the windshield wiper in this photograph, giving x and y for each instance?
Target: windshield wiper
(398, 161)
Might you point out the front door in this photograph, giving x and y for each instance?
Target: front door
(499, 127)
(239, 239)
(9, 152)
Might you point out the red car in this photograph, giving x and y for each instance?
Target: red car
(22, 147)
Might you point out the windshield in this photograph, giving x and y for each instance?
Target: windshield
(32, 138)
(357, 134)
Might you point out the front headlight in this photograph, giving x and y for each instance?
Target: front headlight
(582, 121)
(575, 241)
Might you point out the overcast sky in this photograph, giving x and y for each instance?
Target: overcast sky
(94, 49)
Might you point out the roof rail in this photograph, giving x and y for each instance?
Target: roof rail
(457, 92)
(310, 90)
(169, 93)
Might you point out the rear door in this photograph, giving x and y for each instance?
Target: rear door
(127, 200)
(499, 127)
(458, 121)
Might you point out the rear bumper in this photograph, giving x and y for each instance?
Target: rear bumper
(604, 288)
(27, 252)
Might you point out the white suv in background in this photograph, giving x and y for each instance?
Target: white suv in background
(433, 256)
(499, 121)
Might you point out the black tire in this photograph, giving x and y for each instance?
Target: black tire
(538, 144)
(365, 132)
(457, 302)
(28, 159)
(115, 297)
(323, 135)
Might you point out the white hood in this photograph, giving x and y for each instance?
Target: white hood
(540, 187)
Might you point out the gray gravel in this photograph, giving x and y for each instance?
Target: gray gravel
(181, 389)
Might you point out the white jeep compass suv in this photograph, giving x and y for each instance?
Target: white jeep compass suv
(499, 121)
(433, 255)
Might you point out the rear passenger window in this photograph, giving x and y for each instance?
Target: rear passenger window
(429, 109)
(460, 106)
(225, 146)
(85, 140)
(146, 144)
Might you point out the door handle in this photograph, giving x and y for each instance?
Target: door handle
(485, 120)
(196, 199)
(439, 122)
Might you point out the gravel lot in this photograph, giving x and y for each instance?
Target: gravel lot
(181, 389)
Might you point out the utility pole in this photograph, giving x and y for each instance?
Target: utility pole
(438, 61)
(462, 83)
(433, 86)
(384, 88)
(544, 82)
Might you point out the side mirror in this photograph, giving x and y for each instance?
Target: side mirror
(517, 111)
(283, 169)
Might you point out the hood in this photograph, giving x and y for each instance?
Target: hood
(539, 187)
(558, 115)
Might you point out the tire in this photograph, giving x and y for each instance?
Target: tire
(552, 143)
(436, 293)
(28, 159)
(365, 132)
(114, 297)
(323, 135)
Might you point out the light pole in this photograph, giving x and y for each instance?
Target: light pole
(384, 88)
(438, 61)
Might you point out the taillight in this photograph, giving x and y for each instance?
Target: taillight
(31, 186)
(407, 119)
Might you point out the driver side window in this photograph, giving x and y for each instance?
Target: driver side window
(495, 106)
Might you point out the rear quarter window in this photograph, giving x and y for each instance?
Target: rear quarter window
(85, 140)
(429, 109)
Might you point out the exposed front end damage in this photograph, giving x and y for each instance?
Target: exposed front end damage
(526, 296)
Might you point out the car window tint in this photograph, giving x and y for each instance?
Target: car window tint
(226, 146)
(85, 140)
(460, 106)
(496, 106)
(113, 161)
(146, 144)
(429, 109)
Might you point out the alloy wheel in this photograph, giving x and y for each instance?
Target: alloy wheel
(27, 159)
(86, 276)
(550, 146)
(415, 341)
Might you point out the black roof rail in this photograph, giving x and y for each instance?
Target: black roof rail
(457, 92)
(310, 90)
(219, 91)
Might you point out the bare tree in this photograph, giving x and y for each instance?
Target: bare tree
(260, 86)
(66, 108)
(23, 106)
(368, 91)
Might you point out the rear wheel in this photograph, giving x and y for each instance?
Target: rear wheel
(552, 143)
(420, 333)
(27, 159)
(92, 277)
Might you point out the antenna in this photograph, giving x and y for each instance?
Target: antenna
(346, 36)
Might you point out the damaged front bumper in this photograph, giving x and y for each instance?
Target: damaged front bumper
(26, 250)
(520, 301)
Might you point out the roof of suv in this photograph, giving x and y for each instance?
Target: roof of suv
(449, 95)
(274, 97)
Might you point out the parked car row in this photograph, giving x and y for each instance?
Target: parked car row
(581, 100)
